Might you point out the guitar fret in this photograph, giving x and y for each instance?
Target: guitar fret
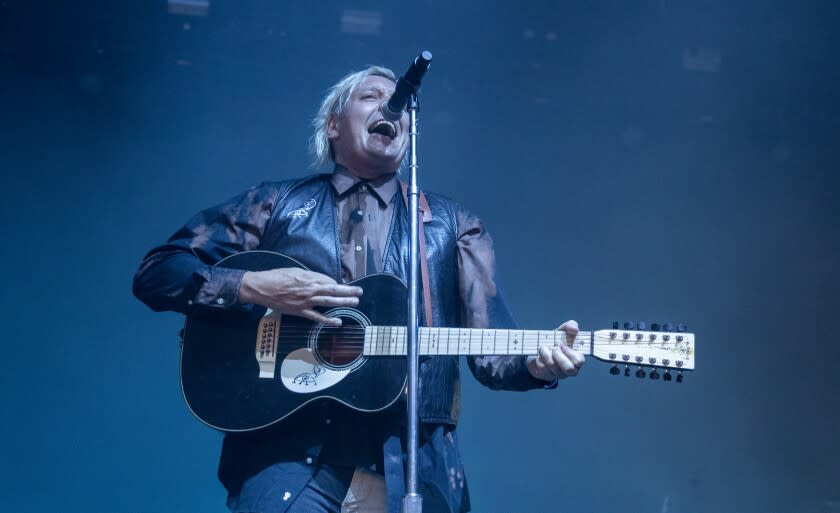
(447, 342)
(517, 342)
(392, 340)
(381, 342)
(373, 340)
(549, 339)
(464, 346)
(402, 342)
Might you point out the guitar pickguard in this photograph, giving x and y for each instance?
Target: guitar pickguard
(302, 373)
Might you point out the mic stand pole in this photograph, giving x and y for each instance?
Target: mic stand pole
(413, 501)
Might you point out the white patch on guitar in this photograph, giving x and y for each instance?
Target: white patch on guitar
(302, 373)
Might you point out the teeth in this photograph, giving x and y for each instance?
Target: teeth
(383, 127)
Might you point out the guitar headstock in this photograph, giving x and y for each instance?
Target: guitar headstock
(633, 344)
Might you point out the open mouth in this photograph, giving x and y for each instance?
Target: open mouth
(383, 127)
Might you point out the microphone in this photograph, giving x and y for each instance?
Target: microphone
(407, 85)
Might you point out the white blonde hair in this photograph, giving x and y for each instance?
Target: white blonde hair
(333, 105)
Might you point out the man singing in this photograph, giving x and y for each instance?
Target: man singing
(343, 226)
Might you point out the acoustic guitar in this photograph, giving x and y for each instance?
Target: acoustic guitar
(244, 370)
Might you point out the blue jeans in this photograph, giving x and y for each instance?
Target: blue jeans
(293, 488)
(326, 492)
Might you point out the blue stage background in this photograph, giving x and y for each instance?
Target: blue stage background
(652, 160)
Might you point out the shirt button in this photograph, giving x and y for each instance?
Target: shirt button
(363, 187)
(308, 460)
(358, 248)
(328, 421)
(220, 301)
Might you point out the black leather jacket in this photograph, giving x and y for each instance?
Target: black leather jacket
(297, 218)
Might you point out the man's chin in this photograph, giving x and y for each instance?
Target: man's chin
(369, 168)
(386, 160)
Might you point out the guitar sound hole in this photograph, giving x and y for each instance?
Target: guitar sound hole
(342, 346)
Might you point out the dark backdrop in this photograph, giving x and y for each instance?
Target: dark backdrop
(655, 160)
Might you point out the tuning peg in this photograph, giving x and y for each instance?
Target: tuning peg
(654, 374)
(615, 325)
(666, 376)
(614, 370)
(629, 325)
(667, 326)
(679, 377)
(641, 326)
(640, 373)
(682, 328)
(654, 326)
(627, 370)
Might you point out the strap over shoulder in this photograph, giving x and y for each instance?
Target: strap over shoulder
(424, 262)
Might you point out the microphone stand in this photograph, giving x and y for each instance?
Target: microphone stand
(413, 501)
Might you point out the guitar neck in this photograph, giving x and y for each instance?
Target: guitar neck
(391, 341)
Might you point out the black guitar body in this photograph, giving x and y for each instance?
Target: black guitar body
(220, 374)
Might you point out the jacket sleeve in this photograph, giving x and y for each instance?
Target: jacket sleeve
(179, 275)
(484, 307)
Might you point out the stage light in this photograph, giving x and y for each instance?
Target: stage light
(361, 22)
(189, 7)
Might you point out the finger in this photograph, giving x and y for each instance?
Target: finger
(546, 362)
(334, 301)
(337, 290)
(545, 358)
(562, 363)
(541, 365)
(576, 357)
(571, 329)
(319, 317)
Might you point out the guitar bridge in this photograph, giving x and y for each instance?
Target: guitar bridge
(266, 350)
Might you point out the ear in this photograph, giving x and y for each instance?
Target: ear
(332, 129)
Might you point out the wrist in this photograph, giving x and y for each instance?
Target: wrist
(246, 288)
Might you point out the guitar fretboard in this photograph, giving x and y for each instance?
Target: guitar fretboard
(391, 341)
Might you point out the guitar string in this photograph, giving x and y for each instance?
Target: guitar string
(358, 343)
(359, 338)
(582, 337)
(401, 329)
(384, 348)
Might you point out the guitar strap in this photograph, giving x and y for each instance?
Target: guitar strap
(426, 212)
